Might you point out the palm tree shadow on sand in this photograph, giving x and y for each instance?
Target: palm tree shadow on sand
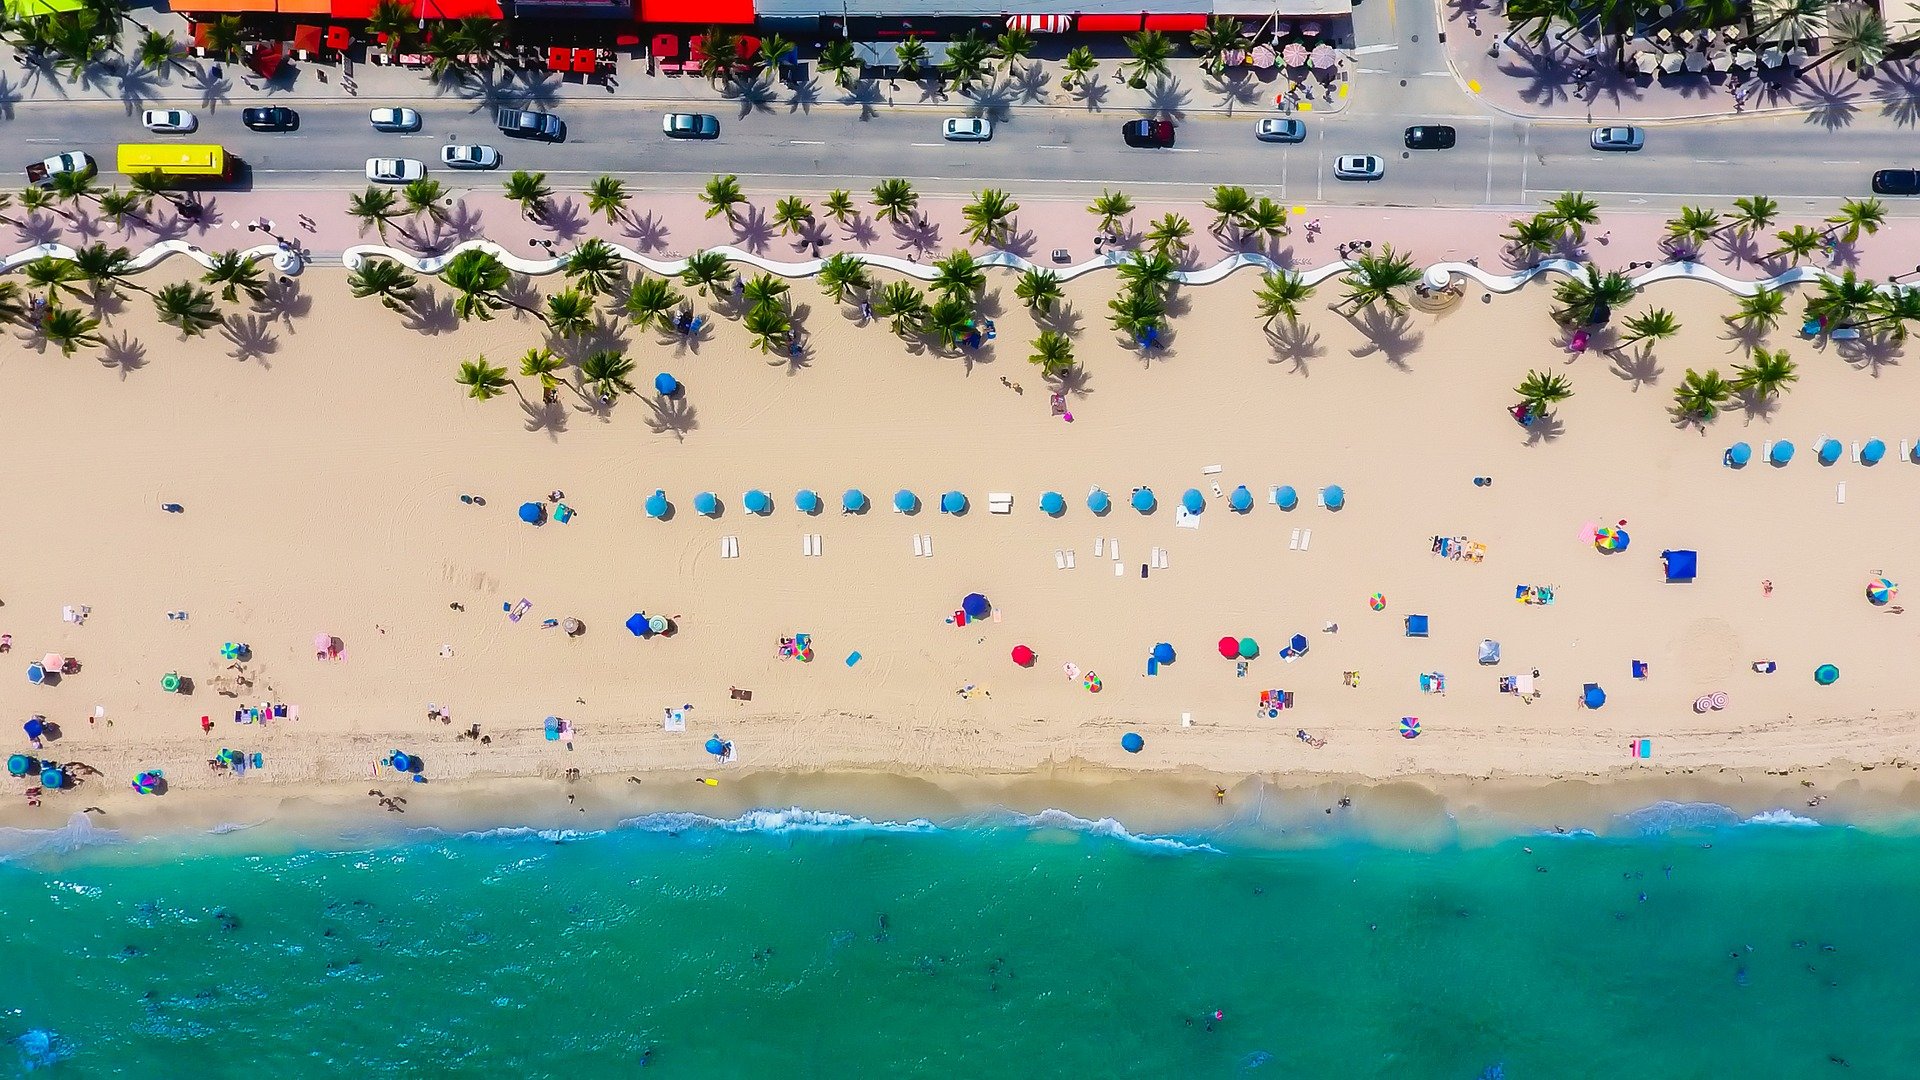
(1545, 429)
(125, 353)
(543, 415)
(671, 416)
(1390, 335)
(1637, 367)
(1295, 343)
(252, 338)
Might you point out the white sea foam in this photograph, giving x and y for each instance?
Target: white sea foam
(79, 832)
(1107, 827)
(525, 832)
(1781, 817)
(791, 820)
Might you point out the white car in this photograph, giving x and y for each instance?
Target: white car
(169, 121)
(966, 129)
(1358, 167)
(389, 170)
(1618, 138)
(469, 156)
(395, 119)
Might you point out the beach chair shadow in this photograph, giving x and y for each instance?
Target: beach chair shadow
(1295, 343)
(671, 416)
(1638, 367)
(648, 232)
(125, 353)
(252, 338)
(1390, 335)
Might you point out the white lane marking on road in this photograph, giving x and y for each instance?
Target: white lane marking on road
(806, 142)
(1710, 162)
(1839, 163)
(1051, 146)
(1368, 50)
(923, 144)
(1182, 150)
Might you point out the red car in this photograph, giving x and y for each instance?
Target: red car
(1147, 132)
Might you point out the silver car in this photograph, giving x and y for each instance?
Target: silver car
(966, 129)
(169, 121)
(395, 119)
(1619, 138)
(687, 125)
(469, 156)
(387, 170)
(1281, 129)
(1358, 167)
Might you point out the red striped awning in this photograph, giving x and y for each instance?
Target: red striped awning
(1041, 24)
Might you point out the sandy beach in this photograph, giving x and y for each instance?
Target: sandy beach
(319, 453)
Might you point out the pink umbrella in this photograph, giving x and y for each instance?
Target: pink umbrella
(1262, 57)
(53, 661)
(1322, 56)
(324, 646)
(1295, 54)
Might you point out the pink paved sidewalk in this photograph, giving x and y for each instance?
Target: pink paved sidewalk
(672, 225)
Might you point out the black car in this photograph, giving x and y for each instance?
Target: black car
(1896, 182)
(1147, 132)
(270, 118)
(1430, 137)
(531, 124)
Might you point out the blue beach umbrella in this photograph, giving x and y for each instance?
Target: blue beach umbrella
(905, 501)
(1098, 501)
(1740, 453)
(1289, 498)
(1192, 501)
(665, 385)
(637, 624)
(1782, 452)
(1829, 451)
(756, 501)
(532, 513)
(1873, 451)
(1299, 643)
(657, 504)
(975, 605)
(1335, 496)
(1826, 674)
(1143, 500)
(36, 674)
(953, 502)
(1163, 653)
(1052, 505)
(1241, 500)
(52, 779)
(806, 501)
(1132, 743)
(1592, 696)
(706, 503)
(37, 727)
(716, 747)
(853, 501)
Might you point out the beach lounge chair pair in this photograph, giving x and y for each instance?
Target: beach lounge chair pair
(999, 502)
(810, 545)
(1158, 559)
(923, 545)
(1063, 559)
(729, 547)
(1300, 540)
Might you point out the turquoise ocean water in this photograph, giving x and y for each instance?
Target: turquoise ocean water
(1685, 944)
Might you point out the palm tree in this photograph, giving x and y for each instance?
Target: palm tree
(838, 59)
(1856, 36)
(569, 313)
(1148, 273)
(722, 195)
(1798, 242)
(1699, 398)
(608, 195)
(235, 273)
(1693, 228)
(770, 327)
(1169, 234)
(477, 278)
(1761, 311)
(1222, 34)
(1535, 235)
(608, 374)
(958, 276)
(69, 329)
(530, 190)
(1532, 19)
(1080, 64)
(1150, 49)
(1769, 374)
(1857, 216)
(55, 276)
(1541, 389)
(1040, 289)
(384, 278)
(392, 20)
(13, 304)
(1372, 278)
(765, 290)
(118, 206)
(1583, 300)
(1840, 302)
(1651, 326)
(989, 216)
(105, 267)
(595, 267)
(1281, 293)
(1136, 313)
(541, 365)
(773, 50)
(374, 206)
(966, 62)
(948, 320)
(910, 58)
(792, 214)
(1052, 352)
(223, 37)
(1571, 212)
(1229, 203)
(1265, 218)
(1894, 308)
(1110, 207)
(838, 205)
(1784, 21)
(842, 274)
(72, 187)
(153, 184)
(652, 300)
(186, 307)
(1752, 214)
(483, 381)
(424, 196)
(903, 305)
(158, 52)
(720, 54)
(892, 198)
(706, 272)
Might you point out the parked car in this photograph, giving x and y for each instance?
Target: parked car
(73, 161)
(1358, 167)
(966, 129)
(270, 118)
(401, 119)
(1619, 138)
(1147, 132)
(1430, 137)
(690, 125)
(1896, 182)
(469, 156)
(1282, 129)
(388, 170)
(531, 124)
(169, 121)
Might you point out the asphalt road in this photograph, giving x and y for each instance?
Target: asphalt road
(1037, 153)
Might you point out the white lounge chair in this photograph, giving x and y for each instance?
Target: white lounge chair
(999, 502)
(1059, 559)
(1306, 538)
(918, 548)
(1293, 543)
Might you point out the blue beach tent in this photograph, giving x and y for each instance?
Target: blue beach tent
(1334, 496)
(1782, 452)
(1681, 565)
(953, 502)
(1192, 501)
(905, 501)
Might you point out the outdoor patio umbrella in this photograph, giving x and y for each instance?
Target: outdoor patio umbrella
(756, 501)
(1098, 501)
(657, 504)
(1143, 500)
(1672, 62)
(1289, 498)
(706, 503)
(1052, 504)
(853, 501)
(1720, 61)
(1771, 57)
(1335, 496)
(1696, 62)
(1829, 451)
(1647, 62)
(1241, 499)
(1322, 56)
(953, 502)
(806, 501)
(1294, 54)
(905, 501)
(1192, 501)
(1873, 451)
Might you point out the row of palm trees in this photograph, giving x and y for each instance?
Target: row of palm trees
(98, 274)
(1854, 33)
(1567, 217)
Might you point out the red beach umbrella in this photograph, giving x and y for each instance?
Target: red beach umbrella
(1023, 656)
(1230, 648)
